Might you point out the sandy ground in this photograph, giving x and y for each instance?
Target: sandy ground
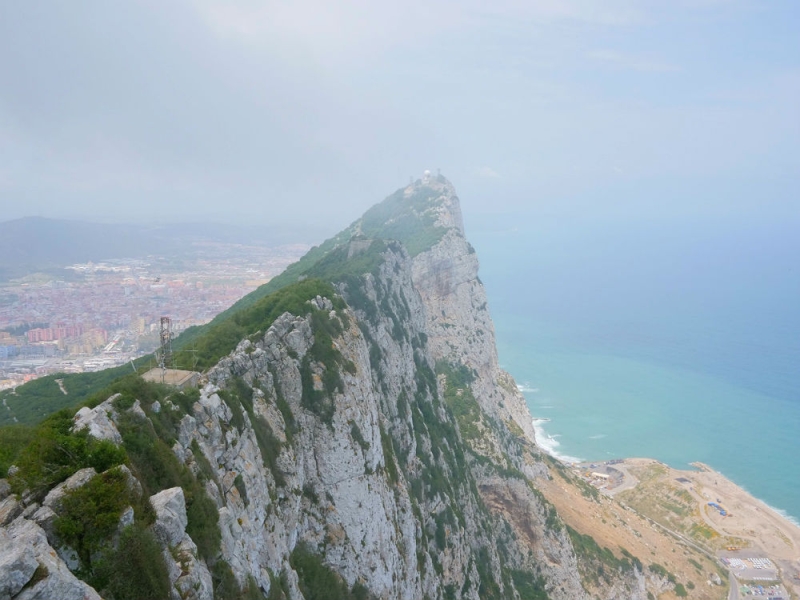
(765, 531)
(615, 527)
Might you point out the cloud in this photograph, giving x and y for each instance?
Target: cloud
(487, 173)
(618, 60)
(330, 30)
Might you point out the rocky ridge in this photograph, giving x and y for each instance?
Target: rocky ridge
(370, 435)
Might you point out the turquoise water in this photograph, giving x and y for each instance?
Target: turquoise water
(633, 342)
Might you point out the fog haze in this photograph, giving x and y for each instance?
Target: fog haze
(309, 112)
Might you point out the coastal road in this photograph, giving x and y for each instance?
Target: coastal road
(733, 593)
(628, 481)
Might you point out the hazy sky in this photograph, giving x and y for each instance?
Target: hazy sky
(310, 111)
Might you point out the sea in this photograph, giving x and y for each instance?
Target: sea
(675, 340)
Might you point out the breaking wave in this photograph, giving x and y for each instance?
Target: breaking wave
(550, 444)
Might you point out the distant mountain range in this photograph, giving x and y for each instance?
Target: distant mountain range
(37, 244)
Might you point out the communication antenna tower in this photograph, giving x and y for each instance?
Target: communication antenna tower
(164, 354)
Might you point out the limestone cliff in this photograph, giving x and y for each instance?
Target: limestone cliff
(368, 434)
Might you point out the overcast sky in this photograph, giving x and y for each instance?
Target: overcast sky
(310, 111)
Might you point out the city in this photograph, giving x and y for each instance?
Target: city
(104, 314)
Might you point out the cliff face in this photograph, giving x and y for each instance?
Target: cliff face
(372, 434)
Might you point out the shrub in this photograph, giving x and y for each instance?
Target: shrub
(529, 586)
(157, 468)
(317, 581)
(13, 439)
(90, 514)
(136, 569)
(459, 397)
(225, 585)
(203, 519)
(55, 452)
(238, 483)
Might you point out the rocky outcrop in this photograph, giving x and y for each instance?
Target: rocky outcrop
(171, 520)
(188, 575)
(75, 481)
(99, 421)
(459, 325)
(372, 432)
(31, 570)
(10, 509)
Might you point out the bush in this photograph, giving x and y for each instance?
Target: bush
(136, 570)
(55, 452)
(89, 515)
(318, 582)
(587, 549)
(13, 439)
(203, 519)
(157, 468)
(225, 585)
(459, 397)
(529, 586)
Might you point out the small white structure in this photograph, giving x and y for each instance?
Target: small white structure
(602, 476)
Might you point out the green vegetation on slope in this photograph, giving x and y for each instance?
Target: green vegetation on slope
(459, 397)
(409, 220)
(598, 563)
(55, 452)
(127, 565)
(31, 402)
(222, 338)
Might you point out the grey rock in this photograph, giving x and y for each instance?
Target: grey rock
(10, 509)
(17, 565)
(170, 508)
(77, 480)
(137, 410)
(99, 421)
(57, 581)
(30, 509)
(134, 487)
(44, 517)
(5, 489)
(195, 581)
(126, 518)
(70, 557)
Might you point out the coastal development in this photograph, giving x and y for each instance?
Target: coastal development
(103, 314)
(759, 547)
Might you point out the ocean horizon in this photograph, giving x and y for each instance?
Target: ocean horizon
(628, 342)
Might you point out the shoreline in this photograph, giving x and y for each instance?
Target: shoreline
(737, 525)
(779, 512)
(742, 525)
(548, 443)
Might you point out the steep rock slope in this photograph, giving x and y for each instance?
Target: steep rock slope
(356, 438)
